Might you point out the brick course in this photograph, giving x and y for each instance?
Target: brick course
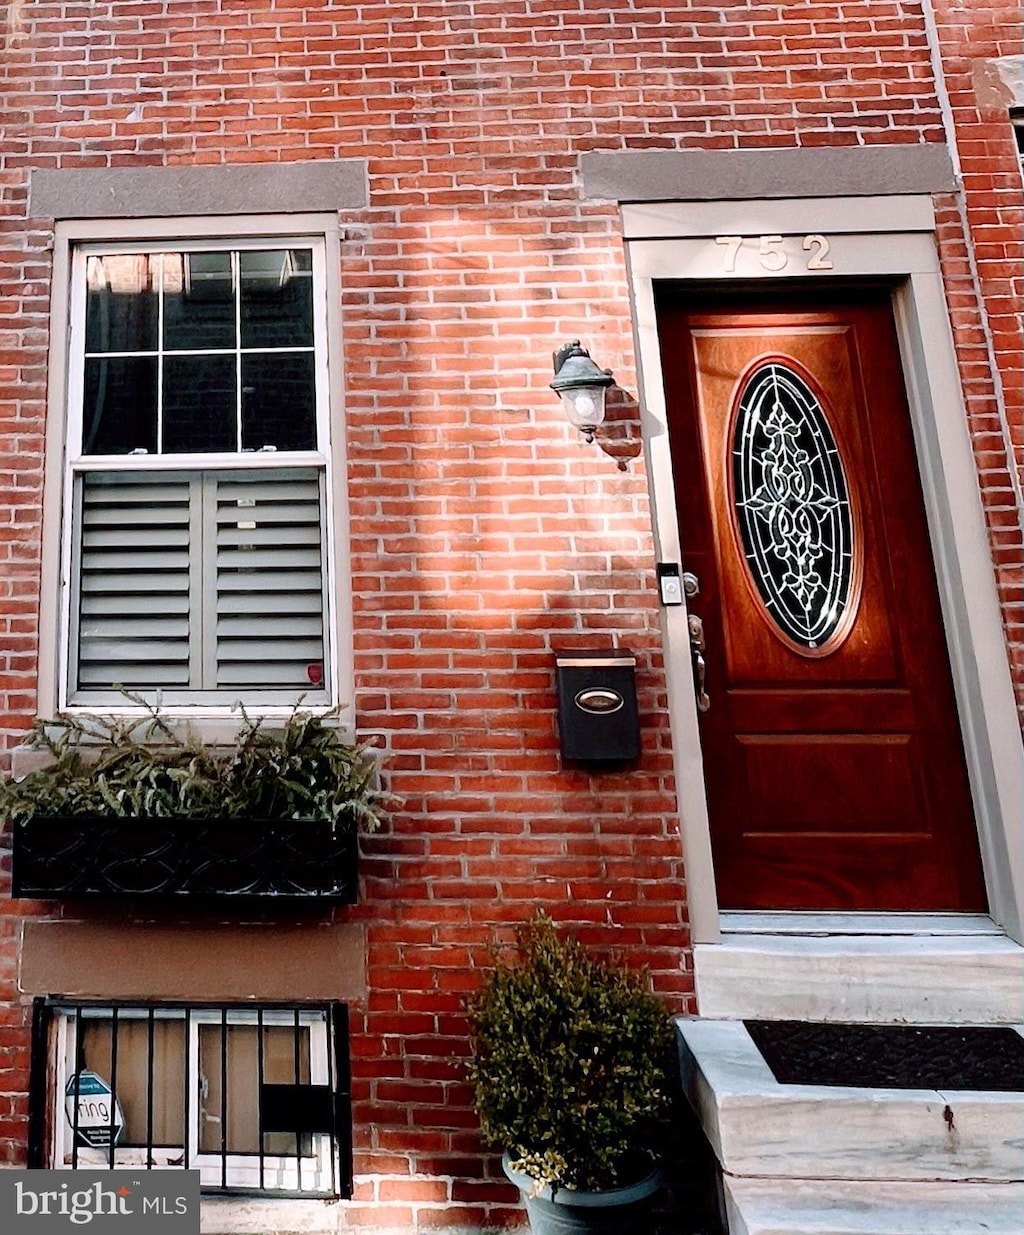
(992, 212)
(483, 534)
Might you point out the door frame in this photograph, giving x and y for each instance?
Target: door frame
(889, 239)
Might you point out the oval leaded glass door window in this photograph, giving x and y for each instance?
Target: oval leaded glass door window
(792, 505)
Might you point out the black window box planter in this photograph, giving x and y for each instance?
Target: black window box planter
(268, 859)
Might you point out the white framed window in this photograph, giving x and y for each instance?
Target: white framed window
(198, 553)
(255, 1098)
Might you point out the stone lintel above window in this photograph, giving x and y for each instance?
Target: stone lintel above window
(229, 189)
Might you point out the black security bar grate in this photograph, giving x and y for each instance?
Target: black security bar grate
(256, 1098)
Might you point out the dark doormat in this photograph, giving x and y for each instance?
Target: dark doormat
(892, 1056)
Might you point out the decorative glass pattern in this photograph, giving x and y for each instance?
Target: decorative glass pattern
(792, 505)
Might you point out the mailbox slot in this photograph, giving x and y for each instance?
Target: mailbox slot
(597, 710)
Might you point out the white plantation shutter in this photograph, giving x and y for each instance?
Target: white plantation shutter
(134, 610)
(200, 583)
(269, 580)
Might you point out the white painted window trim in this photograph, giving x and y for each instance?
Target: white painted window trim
(243, 1169)
(77, 236)
(892, 238)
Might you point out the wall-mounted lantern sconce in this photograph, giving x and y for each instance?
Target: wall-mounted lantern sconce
(581, 386)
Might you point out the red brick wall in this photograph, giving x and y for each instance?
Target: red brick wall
(484, 533)
(990, 265)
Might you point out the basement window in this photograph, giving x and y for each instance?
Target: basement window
(256, 1099)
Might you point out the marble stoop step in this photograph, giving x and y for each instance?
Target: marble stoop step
(951, 979)
(761, 1129)
(831, 1207)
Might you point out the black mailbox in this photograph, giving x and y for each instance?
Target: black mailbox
(597, 711)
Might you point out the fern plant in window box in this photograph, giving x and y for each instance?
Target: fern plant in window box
(130, 806)
(570, 1071)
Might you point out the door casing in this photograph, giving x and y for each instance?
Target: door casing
(888, 239)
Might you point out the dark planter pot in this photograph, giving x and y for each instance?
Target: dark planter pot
(269, 859)
(562, 1211)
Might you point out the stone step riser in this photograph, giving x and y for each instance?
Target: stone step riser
(935, 1136)
(760, 1128)
(898, 980)
(801, 1207)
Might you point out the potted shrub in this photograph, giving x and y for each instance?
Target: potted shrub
(570, 1066)
(140, 805)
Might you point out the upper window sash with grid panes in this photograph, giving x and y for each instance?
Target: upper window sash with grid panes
(198, 479)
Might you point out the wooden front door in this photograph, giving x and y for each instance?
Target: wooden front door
(832, 751)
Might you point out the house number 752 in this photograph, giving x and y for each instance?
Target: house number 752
(771, 251)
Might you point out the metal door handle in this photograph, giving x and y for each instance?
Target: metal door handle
(697, 646)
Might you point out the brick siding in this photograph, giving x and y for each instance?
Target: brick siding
(990, 266)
